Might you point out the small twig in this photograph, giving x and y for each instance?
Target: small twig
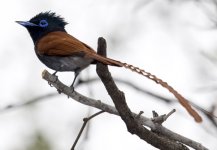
(162, 118)
(140, 113)
(169, 114)
(155, 114)
(83, 126)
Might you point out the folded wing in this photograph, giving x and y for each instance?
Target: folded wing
(60, 43)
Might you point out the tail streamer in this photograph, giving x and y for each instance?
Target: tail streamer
(150, 76)
(180, 98)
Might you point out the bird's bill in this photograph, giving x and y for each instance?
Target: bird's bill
(26, 23)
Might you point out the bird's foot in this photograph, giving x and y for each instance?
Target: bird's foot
(55, 78)
(72, 88)
(72, 85)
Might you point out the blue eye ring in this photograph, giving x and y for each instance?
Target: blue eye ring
(43, 23)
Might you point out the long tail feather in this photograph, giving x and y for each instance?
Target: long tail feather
(180, 98)
(150, 76)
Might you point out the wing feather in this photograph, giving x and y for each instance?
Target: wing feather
(60, 43)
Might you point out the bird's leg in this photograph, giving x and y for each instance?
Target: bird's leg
(55, 73)
(72, 85)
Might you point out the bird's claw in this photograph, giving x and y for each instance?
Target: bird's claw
(49, 83)
(55, 78)
(72, 88)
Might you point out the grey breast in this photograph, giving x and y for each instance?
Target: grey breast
(69, 63)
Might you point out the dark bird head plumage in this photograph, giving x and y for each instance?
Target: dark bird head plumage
(42, 24)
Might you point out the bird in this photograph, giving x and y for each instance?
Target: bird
(62, 52)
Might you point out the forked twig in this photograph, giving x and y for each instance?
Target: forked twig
(83, 126)
(160, 119)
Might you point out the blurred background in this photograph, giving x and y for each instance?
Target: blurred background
(173, 39)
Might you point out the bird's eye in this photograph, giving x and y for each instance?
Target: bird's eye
(43, 23)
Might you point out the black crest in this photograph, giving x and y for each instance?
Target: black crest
(43, 23)
(51, 17)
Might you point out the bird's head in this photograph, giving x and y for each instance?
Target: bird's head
(42, 24)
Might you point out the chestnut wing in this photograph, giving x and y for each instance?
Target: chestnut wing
(61, 44)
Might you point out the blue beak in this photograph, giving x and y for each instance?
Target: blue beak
(26, 24)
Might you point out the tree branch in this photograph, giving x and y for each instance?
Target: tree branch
(112, 110)
(132, 122)
(167, 138)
